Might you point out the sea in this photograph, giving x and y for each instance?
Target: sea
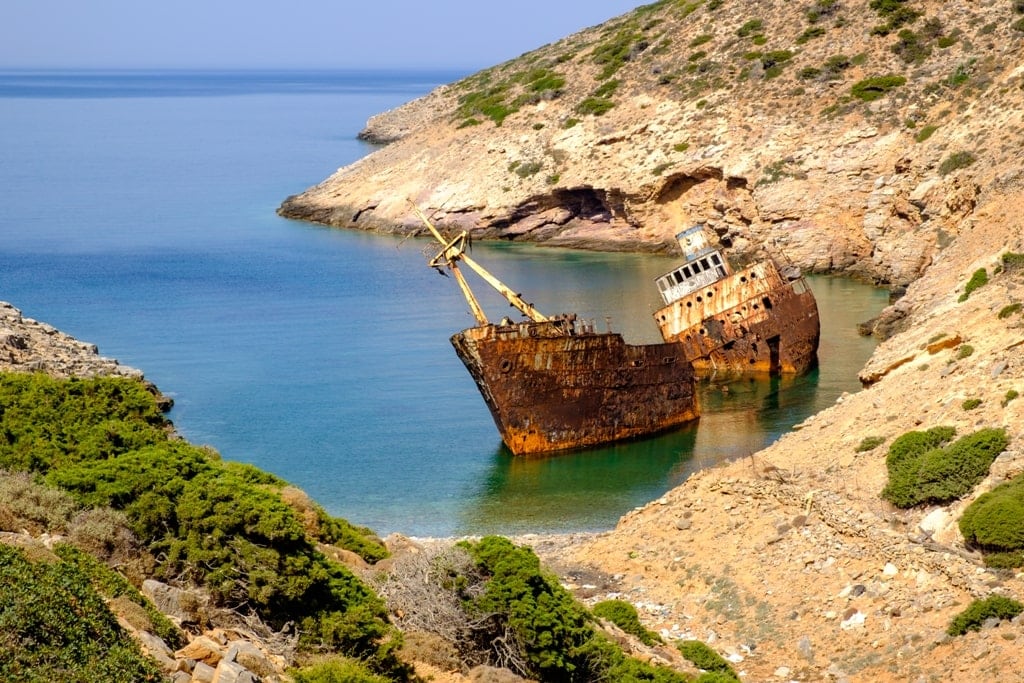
(139, 215)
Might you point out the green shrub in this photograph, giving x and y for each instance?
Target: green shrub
(810, 33)
(994, 523)
(896, 14)
(1018, 25)
(1010, 395)
(964, 351)
(925, 133)
(624, 615)
(223, 525)
(808, 73)
(607, 89)
(47, 423)
(835, 66)
(527, 169)
(706, 659)
(594, 105)
(971, 403)
(972, 618)
(922, 471)
(551, 626)
(54, 626)
(869, 443)
(490, 103)
(1008, 310)
(558, 640)
(700, 40)
(750, 27)
(615, 52)
(955, 161)
(910, 48)
(978, 279)
(1013, 262)
(876, 87)
(336, 670)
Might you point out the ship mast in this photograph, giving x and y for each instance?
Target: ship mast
(453, 251)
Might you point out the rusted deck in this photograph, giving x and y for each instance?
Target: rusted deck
(550, 388)
(754, 321)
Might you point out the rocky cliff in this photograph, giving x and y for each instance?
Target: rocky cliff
(878, 139)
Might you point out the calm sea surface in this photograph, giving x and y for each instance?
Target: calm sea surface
(139, 215)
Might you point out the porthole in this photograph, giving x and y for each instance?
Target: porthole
(505, 365)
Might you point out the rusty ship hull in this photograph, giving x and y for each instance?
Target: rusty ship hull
(751, 322)
(551, 388)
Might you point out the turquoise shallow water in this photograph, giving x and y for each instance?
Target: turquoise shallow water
(139, 215)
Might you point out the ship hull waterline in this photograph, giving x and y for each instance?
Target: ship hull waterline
(549, 391)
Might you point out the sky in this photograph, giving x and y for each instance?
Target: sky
(287, 34)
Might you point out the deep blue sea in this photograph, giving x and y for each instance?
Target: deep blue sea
(138, 214)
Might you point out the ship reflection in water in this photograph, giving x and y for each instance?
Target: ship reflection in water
(592, 489)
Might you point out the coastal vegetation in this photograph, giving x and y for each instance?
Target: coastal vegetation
(704, 658)
(978, 612)
(978, 279)
(190, 517)
(624, 615)
(55, 625)
(511, 595)
(925, 468)
(994, 524)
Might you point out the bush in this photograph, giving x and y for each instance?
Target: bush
(223, 525)
(964, 351)
(112, 585)
(519, 604)
(750, 27)
(1008, 310)
(994, 523)
(336, 670)
(925, 133)
(594, 105)
(978, 279)
(48, 423)
(624, 615)
(706, 659)
(876, 87)
(1013, 262)
(974, 617)
(922, 471)
(869, 443)
(55, 627)
(25, 504)
(971, 403)
(1010, 395)
(956, 161)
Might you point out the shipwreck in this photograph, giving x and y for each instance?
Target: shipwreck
(554, 383)
(760, 320)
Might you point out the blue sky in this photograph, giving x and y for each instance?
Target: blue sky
(298, 33)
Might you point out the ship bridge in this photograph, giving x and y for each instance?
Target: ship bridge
(703, 266)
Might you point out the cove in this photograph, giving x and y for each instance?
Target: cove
(140, 217)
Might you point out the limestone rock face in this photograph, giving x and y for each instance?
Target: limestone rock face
(620, 136)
